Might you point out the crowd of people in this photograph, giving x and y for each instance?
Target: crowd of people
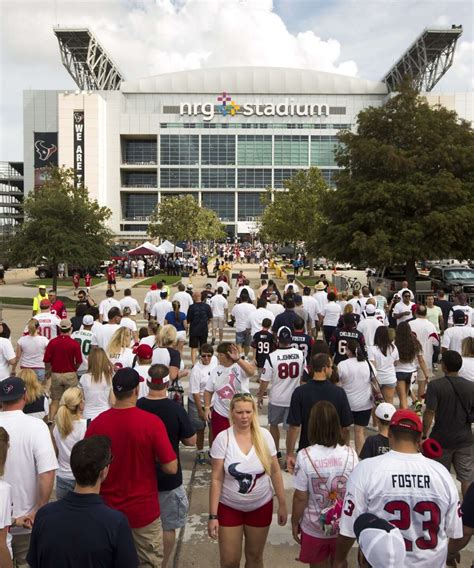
(94, 408)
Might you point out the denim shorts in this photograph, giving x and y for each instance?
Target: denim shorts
(63, 486)
(174, 507)
(242, 338)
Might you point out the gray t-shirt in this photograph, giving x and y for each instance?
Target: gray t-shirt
(451, 429)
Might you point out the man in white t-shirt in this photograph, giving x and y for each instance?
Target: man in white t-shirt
(320, 296)
(141, 268)
(151, 297)
(240, 314)
(30, 466)
(246, 286)
(128, 322)
(48, 322)
(7, 357)
(414, 493)
(453, 336)
(311, 305)
(160, 309)
(368, 326)
(355, 302)
(256, 317)
(426, 334)
(403, 310)
(184, 299)
(84, 337)
(220, 308)
(106, 305)
(103, 334)
(281, 373)
(129, 302)
(273, 305)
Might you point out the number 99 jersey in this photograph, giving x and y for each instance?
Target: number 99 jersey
(413, 493)
(283, 369)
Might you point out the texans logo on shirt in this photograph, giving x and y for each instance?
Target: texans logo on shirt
(227, 391)
(246, 481)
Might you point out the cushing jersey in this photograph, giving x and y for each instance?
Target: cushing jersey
(338, 343)
(284, 369)
(412, 492)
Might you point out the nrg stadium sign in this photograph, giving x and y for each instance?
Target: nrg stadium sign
(227, 107)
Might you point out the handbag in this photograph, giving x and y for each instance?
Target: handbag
(469, 413)
(329, 516)
(375, 386)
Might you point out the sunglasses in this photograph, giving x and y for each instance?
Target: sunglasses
(242, 395)
(206, 355)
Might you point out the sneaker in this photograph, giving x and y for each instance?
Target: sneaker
(278, 455)
(213, 341)
(417, 407)
(201, 458)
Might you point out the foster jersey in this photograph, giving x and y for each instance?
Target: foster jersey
(283, 369)
(414, 493)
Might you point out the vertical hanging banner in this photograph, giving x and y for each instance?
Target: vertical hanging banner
(78, 148)
(46, 154)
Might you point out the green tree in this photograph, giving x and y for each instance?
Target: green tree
(295, 214)
(182, 219)
(62, 224)
(406, 190)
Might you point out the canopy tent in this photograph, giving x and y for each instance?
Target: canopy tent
(144, 249)
(168, 247)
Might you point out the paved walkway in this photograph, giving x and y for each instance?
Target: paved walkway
(194, 548)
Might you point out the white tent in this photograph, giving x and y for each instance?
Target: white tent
(168, 247)
(145, 249)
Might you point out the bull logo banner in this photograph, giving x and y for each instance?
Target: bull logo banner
(46, 154)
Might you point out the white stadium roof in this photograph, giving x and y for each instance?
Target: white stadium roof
(255, 80)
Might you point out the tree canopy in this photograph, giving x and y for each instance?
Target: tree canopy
(406, 190)
(293, 215)
(182, 219)
(62, 224)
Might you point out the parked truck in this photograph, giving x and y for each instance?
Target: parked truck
(389, 279)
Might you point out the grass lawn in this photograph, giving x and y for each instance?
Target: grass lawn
(70, 304)
(48, 282)
(154, 279)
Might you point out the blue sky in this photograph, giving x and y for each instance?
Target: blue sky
(145, 37)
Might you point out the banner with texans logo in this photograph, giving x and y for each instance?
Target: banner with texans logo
(46, 154)
(78, 147)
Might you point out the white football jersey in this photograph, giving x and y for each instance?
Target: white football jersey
(48, 324)
(84, 338)
(414, 493)
(283, 369)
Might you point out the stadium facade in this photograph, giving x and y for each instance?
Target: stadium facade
(220, 135)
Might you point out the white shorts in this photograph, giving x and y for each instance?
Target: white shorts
(181, 335)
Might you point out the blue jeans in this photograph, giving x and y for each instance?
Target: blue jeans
(63, 486)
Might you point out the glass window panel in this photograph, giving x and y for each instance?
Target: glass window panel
(250, 206)
(140, 152)
(254, 178)
(217, 150)
(139, 179)
(254, 150)
(220, 202)
(138, 206)
(281, 174)
(291, 150)
(181, 150)
(323, 150)
(217, 178)
(182, 177)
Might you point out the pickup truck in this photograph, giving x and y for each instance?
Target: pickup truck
(453, 278)
(389, 279)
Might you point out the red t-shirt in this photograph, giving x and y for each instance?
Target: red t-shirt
(59, 309)
(111, 273)
(64, 354)
(139, 440)
(88, 279)
(76, 278)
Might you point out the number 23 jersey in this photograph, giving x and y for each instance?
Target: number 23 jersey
(284, 369)
(412, 492)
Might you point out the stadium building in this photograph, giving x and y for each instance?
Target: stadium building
(220, 135)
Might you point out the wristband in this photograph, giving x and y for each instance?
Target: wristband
(213, 517)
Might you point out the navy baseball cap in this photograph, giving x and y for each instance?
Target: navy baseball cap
(284, 334)
(126, 379)
(12, 388)
(459, 316)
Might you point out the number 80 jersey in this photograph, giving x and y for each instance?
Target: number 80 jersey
(283, 369)
(412, 492)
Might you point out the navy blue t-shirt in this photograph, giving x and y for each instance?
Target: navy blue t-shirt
(81, 531)
(264, 343)
(199, 315)
(178, 425)
(286, 318)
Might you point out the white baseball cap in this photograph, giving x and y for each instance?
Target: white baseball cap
(381, 543)
(87, 320)
(370, 309)
(385, 411)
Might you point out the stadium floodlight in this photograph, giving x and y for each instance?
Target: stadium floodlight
(87, 61)
(426, 60)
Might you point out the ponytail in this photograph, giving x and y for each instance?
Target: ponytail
(69, 410)
(176, 305)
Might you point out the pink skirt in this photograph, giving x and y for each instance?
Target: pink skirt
(315, 550)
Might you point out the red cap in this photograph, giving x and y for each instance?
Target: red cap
(153, 287)
(45, 304)
(144, 351)
(407, 419)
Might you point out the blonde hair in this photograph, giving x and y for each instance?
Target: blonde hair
(468, 347)
(348, 309)
(34, 389)
(4, 445)
(99, 365)
(167, 336)
(33, 326)
(121, 339)
(258, 442)
(69, 410)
